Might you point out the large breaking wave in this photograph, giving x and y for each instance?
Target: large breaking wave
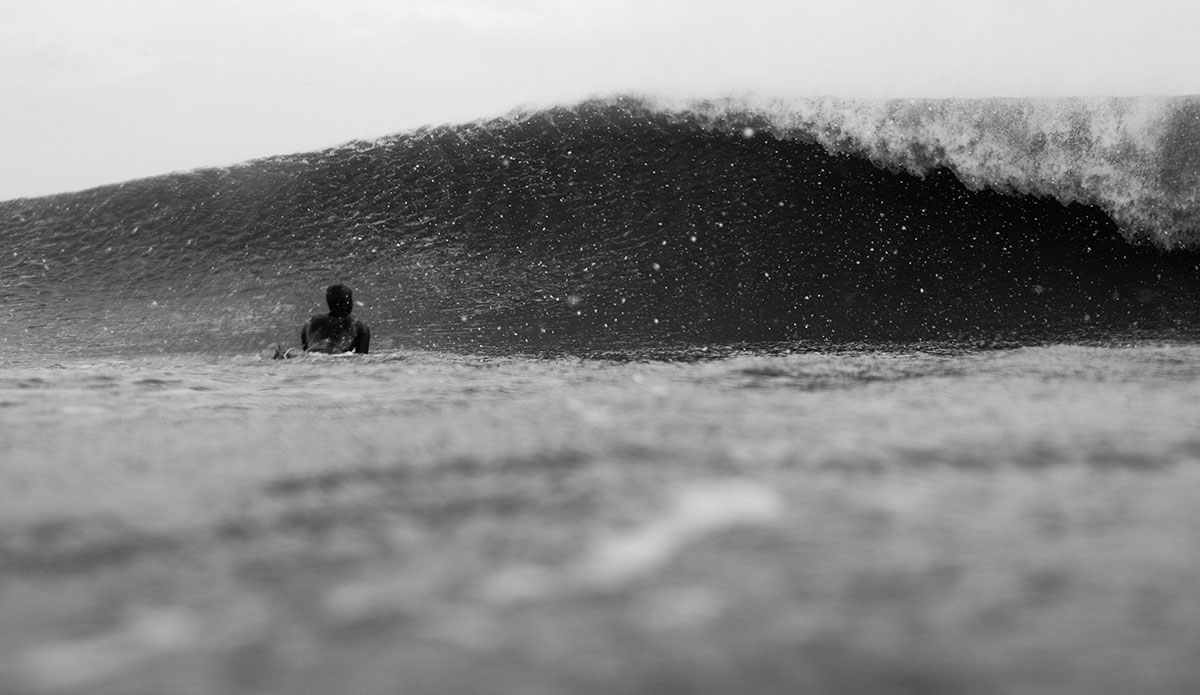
(636, 222)
(1138, 159)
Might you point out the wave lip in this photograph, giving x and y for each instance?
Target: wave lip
(1137, 158)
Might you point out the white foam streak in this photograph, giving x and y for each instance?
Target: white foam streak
(1133, 157)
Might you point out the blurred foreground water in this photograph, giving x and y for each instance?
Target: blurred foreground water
(902, 520)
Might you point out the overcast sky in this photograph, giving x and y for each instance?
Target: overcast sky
(99, 91)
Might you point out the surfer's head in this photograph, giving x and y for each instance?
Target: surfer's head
(340, 300)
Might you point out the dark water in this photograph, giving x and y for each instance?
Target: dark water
(627, 224)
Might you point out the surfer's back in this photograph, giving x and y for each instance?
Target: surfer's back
(333, 334)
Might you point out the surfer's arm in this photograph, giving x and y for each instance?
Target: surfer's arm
(304, 337)
(362, 338)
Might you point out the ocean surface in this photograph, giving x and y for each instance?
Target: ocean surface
(730, 396)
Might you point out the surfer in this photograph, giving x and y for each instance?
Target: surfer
(332, 333)
(337, 331)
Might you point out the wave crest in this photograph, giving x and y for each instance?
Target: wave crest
(1138, 159)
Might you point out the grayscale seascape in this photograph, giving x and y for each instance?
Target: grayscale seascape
(737, 395)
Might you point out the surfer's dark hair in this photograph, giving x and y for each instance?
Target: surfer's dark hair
(340, 300)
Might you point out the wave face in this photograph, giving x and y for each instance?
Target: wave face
(633, 223)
